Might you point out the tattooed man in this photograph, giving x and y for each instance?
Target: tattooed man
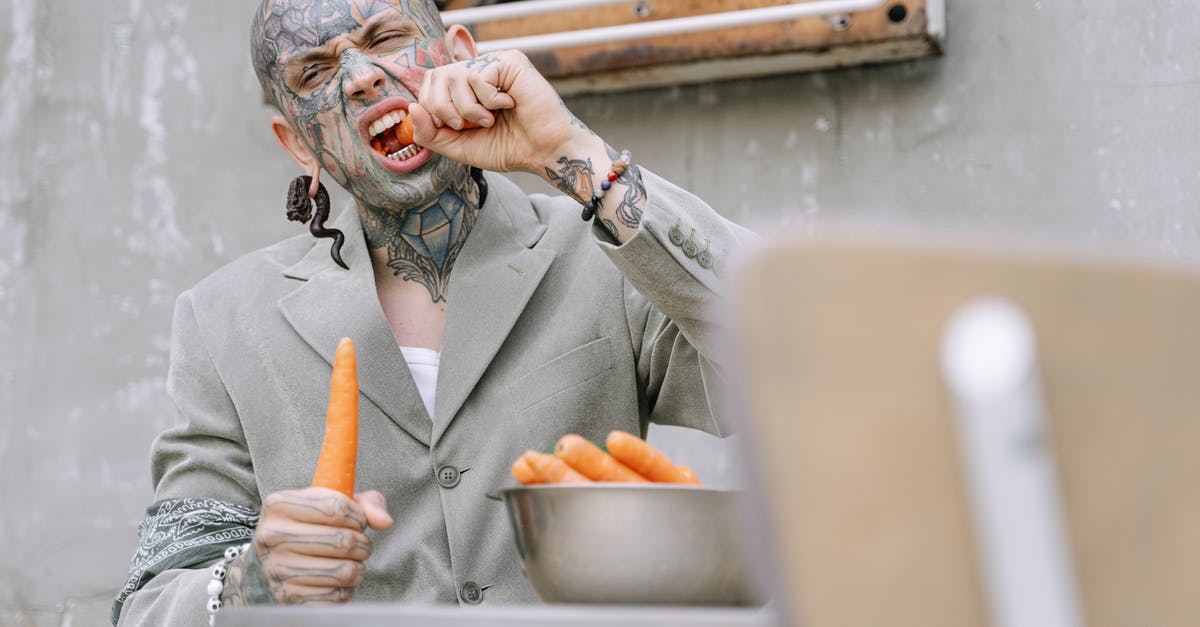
(487, 322)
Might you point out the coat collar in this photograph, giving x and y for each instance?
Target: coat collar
(494, 276)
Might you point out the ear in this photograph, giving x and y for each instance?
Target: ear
(460, 43)
(290, 140)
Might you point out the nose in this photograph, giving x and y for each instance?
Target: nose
(361, 79)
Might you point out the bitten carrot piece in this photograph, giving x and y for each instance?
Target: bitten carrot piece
(551, 469)
(644, 459)
(592, 462)
(339, 452)
(404, 130)
(524, 472)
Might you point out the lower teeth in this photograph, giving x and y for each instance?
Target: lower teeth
(407, 152)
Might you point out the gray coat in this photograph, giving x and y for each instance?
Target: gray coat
(550, 329)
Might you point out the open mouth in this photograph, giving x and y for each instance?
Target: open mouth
(389, 138)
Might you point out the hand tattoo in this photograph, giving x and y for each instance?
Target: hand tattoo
(246, 583)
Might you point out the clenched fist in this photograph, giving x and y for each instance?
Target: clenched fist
(310, 547)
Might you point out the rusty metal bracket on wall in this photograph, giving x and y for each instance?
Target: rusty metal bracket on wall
(608, 45)
(646, 30)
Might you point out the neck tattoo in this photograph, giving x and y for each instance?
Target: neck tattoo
(423, 243)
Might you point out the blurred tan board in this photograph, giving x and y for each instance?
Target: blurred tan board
(859, 460)
(800, 45)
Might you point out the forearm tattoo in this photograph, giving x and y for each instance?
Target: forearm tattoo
(573, 177)
(629, 211)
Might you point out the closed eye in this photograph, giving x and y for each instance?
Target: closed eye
(310, 75)
(390, 38)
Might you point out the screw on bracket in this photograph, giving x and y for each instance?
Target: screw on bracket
(839, 22)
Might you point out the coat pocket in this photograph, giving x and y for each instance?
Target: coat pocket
(577, 366)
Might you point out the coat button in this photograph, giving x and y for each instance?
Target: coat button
(675, 235)
(705, 259)
(448, 476)
(690, 249)
(471, 593)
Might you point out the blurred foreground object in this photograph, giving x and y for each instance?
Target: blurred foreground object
(854, 427)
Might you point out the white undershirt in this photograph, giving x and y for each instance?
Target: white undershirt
(423, 364)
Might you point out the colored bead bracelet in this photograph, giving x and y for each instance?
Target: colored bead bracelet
(619, 166)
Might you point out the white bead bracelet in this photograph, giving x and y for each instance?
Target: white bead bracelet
(218, 580)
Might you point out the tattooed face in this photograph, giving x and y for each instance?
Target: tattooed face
(343, 73)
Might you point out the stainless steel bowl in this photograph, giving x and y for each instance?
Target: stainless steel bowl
(620, 543)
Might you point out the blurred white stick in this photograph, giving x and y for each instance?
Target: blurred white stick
(989, 362)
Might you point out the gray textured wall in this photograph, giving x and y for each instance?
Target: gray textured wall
(136, 159)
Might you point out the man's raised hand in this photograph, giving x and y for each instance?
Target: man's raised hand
(526, 125)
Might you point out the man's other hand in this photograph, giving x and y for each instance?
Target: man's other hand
(310, 547)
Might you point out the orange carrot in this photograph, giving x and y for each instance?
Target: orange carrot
(644, 459)
(404, 130)
(339, 452)
(592, 462)
(551, 469)
(524, 472)
(689, 475)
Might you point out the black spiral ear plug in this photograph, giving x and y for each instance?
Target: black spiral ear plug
(300, 209)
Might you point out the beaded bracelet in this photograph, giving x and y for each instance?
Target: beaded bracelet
(217, 585)
(619, 166)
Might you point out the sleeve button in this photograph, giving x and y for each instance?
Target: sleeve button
(675, 235)
(690, 249)
(705, 259)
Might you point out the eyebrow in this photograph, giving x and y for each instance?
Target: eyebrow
(360, 36)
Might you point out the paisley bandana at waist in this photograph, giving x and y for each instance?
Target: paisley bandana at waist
(182, 533)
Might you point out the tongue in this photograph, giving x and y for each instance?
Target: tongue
(391, 144)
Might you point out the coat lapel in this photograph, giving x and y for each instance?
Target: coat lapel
(333, 303)
(495, 275)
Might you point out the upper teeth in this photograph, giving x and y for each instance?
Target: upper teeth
(386, 122)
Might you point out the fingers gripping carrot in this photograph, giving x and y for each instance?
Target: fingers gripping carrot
(551, 469)
(404, 130)
(339, 452)
(644, 459)
(592, 462)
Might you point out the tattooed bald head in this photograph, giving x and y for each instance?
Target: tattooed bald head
(285, 28)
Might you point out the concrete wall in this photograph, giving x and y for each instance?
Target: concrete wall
(136, 159)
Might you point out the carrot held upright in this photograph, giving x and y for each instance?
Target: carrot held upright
(339, 452)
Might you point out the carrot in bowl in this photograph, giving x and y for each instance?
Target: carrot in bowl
(551, 469)
(524, 472)
(644, 459)
(339, 452)
(592, 462)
